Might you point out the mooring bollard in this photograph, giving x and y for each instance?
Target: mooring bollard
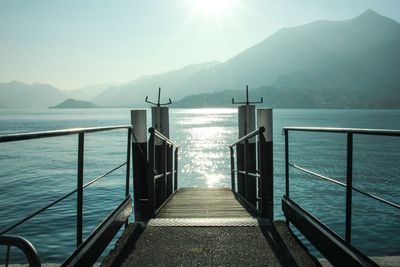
(141, 189)
(264, 119)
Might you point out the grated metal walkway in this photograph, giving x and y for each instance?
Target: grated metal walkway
(204, 203)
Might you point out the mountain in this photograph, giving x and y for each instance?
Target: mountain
(289, 97)
(21, 95)
(134, 92)
(74, 103)
(358, 55)
(349, 63)
(88, 92)
(322, 53)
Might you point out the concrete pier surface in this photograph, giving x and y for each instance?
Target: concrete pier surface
(208, 227)
(270, 245)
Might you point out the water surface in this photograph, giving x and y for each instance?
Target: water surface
(33, 173)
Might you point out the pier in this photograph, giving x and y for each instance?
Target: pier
(166, 225)
(209, 227)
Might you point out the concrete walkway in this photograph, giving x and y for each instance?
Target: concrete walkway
(208, 227)
(218, 246)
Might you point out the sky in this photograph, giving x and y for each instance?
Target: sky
(73, 43)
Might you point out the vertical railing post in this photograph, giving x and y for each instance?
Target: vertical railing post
(286, 133)
(128, 161)
(240, 167)
(128, 167)
(349, 186)
(246, 169)
(232, 169)
(176, 169)
(170, 151)
(79, 197)
(150, 178)
(265, 161)
(245, 181)
(141, 190)
(7, 261)
(164, 170)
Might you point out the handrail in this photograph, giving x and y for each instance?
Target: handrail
(162, 137)
(326, 178)
(54, 133)
(33, 214)
(350, 132)
(104, 232)
(24, 245)
(248, 136)
(162, 171)
(80, 165)
(253, 167)
(345, 130)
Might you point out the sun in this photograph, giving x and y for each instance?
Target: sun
(212, 7)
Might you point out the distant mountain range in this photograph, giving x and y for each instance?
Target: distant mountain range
(88, 92)
(350, 63)
(134, 92)
(290, 97)
(21, 95)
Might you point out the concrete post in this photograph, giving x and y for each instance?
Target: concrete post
(264, 119)
(139, 165)
(246, 154)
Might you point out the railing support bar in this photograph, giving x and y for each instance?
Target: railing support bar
(165, 170)
(349, 187)
(150, 179)
(7, 256)
(128, 167)
(246, 169)
(176, 169)
(79, 198)
(232, 169)
(128, 161)
(286, 132)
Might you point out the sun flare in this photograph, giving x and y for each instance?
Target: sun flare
(212, 7)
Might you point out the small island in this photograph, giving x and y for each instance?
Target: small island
(74, 103)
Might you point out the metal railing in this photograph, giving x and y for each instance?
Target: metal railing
(251, 180)
(24, 245)
(163, 161)
(287, 202)
(122, 207)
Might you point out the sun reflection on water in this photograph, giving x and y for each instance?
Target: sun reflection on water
(204, 151)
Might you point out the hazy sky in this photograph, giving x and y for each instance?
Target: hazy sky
(74, 43)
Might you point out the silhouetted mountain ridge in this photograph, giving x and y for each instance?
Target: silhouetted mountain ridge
(134, 92)
(289, 97)
(360, 54)
(348, 63)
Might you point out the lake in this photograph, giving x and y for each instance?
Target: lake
(34, 173)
